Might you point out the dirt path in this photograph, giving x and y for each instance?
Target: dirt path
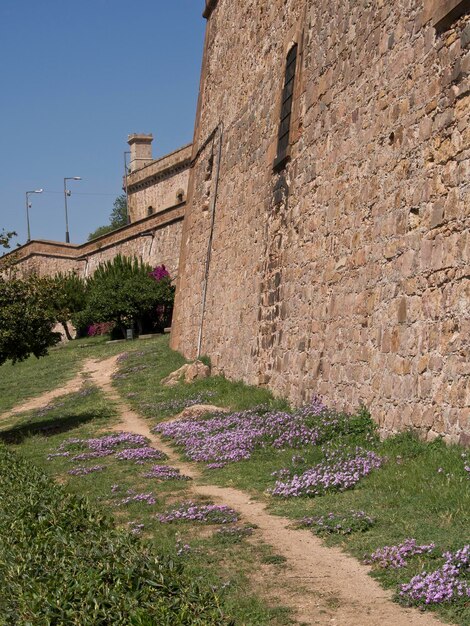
(323, 585)
(72, 386)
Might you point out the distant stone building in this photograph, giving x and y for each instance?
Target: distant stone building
(326, 241)
(156, 192)
(154, 186)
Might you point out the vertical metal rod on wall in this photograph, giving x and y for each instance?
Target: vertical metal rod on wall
(211, 235)
(125, 183)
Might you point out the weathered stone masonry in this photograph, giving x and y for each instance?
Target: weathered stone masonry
(347, 272)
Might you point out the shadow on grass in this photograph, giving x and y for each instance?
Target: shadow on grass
(46, 428)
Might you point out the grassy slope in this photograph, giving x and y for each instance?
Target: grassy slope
(32, 377)
(213, 561)
(408, 497)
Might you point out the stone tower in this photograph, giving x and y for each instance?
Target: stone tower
(141, 150)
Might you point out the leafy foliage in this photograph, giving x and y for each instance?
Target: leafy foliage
(5, 237)
(117, 219)
(68, 297)
(63, 562)
(26, 318)
(123, 291)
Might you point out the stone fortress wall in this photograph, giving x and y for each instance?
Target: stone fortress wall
(344, 272)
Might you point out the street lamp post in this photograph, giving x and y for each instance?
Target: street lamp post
(68, 193)
(28, 206)
(125, 183)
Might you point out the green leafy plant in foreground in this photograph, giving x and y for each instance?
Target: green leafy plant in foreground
(63, 562)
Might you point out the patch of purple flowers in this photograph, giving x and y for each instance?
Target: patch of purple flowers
(202, 513)
(448, 583)
(139, 455)
(396, 556)
(57, 454)
(136, 528)
(136, 448)
(148, 498)
(85, 456)
(83, 471)
(106, 442)
(228, 438)
(340, 471)
(165, 472)
(338, 523)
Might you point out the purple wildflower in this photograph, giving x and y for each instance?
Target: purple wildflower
(148, 498)
(139, 455)
(448, 583)
(164, 472)
(228, 438)
(57, 454)
(203, 513)
(338, 472)
(136, 528)
(396, 556)
(338, 523)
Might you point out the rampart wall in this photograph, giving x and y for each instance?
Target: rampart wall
(155, 240)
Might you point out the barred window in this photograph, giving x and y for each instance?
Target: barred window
(286, 108)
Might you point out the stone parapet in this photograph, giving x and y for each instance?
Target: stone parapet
(51, 257)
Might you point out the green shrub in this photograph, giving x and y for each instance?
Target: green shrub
(63, 562)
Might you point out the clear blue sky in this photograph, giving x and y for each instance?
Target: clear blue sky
(76, 79)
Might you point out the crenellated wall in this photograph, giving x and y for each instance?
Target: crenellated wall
(346, 273)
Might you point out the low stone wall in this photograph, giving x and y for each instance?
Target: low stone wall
(155, 240)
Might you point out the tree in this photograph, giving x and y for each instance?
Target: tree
(117, 219)
(68, 297)
(5, 237)
(125, 292)
(26, 318)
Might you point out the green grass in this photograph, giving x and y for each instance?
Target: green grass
(143, 391)
(408, 496)
(211, 562)
(62, 561)
(34, 376)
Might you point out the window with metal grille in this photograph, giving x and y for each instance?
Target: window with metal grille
(286, 108)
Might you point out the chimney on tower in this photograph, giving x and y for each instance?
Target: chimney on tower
(141, 150)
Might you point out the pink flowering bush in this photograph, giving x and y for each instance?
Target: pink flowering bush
(160, 273)
(103, 328)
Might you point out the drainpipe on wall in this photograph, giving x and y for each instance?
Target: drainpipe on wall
(211, 235)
